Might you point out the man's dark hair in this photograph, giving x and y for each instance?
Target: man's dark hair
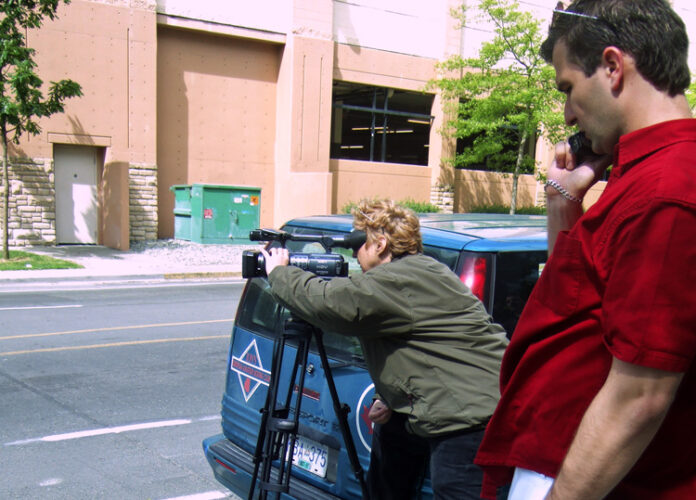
(648, 30)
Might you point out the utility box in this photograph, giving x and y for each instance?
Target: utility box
(182, 211)
(217, 213)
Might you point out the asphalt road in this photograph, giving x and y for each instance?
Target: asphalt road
(108, 392)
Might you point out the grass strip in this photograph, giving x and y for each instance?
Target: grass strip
(27, 261)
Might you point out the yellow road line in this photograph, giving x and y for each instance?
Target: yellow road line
(115, 328)
(113, 344)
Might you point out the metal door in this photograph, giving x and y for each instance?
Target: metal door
(76, 193)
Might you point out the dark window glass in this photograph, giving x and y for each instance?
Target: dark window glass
(261, 314)
(380, 124)
(516, 273)
(445, 255)
(259, 311)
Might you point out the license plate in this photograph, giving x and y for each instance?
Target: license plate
(310, 456)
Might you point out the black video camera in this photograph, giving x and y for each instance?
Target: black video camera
(322, 264)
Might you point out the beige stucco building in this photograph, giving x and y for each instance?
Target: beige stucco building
(316, 102)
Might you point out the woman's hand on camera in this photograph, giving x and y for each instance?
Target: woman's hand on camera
(276, 257)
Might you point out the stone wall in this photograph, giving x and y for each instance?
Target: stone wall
(32, 207)
(443, 198)
(143, 202)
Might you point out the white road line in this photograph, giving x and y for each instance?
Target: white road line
(208, 495)
(212, 417)
(39, 307)
(109, 430)
(51, 482)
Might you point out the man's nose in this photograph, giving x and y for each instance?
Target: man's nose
(569, 114)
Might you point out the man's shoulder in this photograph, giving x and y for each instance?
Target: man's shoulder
(658, 164)
(668, 138)
(672, 174)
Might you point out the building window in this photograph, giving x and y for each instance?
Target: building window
(380, 124)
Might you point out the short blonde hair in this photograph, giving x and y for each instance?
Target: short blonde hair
(399, 225)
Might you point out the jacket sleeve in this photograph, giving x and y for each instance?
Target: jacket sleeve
(356, 306)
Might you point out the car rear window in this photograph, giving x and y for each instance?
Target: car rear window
(261, 314)
(515, 276)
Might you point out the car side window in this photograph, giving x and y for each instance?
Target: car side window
(445, 255)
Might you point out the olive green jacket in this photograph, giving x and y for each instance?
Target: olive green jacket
(428, 342)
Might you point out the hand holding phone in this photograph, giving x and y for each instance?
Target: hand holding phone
(584, 168)
(581, 147)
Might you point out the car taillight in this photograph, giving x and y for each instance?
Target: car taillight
(473, 275)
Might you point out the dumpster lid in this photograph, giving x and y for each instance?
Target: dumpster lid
(228, 186)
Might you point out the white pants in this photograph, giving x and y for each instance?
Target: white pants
(529, 485)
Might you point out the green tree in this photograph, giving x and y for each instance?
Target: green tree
(691, 96)
(22, 101)
(504, 97)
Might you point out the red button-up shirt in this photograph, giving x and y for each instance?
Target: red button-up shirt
(621, 283)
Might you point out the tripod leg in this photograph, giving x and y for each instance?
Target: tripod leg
(268, 408)
(279, 423)
(341, 412)
(291, 425)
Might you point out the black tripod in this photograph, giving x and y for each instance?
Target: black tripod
(280, 419)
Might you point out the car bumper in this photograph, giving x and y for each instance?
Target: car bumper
(233, 467)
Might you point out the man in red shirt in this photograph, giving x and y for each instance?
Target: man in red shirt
(598, 384)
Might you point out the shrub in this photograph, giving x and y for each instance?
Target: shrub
(503, 209)
(420, 207)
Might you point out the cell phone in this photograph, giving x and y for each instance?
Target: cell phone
(581, 147)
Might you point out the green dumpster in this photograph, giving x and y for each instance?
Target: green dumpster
(218, 213)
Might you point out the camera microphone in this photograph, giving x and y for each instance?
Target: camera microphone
(268, 235)
(353, 240)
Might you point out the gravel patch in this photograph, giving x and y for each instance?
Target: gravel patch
(191, 253)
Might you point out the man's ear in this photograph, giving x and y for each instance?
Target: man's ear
(613, 65)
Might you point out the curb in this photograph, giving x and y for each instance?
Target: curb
(195, 275)
(109, 278)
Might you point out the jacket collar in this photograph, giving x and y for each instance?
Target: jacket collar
(637, 145)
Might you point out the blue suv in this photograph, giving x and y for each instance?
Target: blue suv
(499, 257)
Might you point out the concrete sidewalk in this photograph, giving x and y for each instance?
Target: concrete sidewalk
(106, 264)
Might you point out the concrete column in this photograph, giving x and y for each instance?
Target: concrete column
(303, 118)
